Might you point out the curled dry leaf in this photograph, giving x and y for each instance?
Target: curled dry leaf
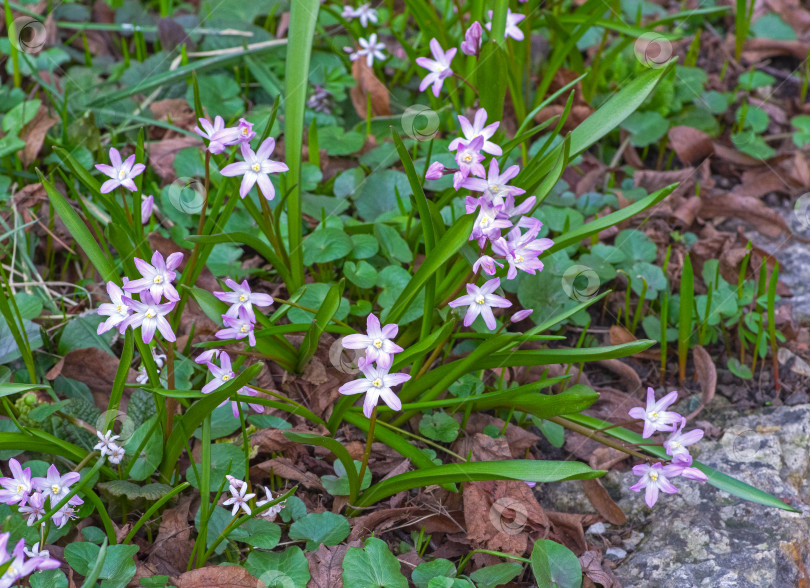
(591, 562)
(368, 83)
(34, 134)
(707, 377)
(285, 468)
(602, 502)
(219, 576)
(690, 144)
(326, 564)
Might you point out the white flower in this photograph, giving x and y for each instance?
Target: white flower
(364, 14)
(105, 443)
(116, 454)
(480, 301)
(239, 499)
(271, 513)
(256, 168)
(371, 49)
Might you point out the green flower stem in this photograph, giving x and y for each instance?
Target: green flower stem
(590, 434)
(369, 440)
(152, 510)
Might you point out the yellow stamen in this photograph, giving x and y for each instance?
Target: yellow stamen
(244, 328)
(479, 300)
(242, 298)
(150, 314)
(256, 167)
(653, 476)
(158, 280)
(377, 383)
(55, 489)
(226, 377)
(122, 175)
(377, 343)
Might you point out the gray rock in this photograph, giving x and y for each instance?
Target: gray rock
(703, 536)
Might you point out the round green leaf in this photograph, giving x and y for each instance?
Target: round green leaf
(326, 245)
(555, 565)
(439, 426)
(372, 566)
(320, 527)
(361, 273)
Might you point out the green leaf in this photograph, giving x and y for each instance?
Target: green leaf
(152, 491)
(802, 136)
(80, 333)
(739, 369)
(79, 231)
(338, 485)
(372, 566)
(751, 80)
(364, 246)
(645, 128)
(636, 246)
(19, 116)
(9, 350)
(423, 573)
(555, 565)
(279, 570)
(8, 388)
(320, 527)
(439, 426)
(513, 469)
(48, 579)
(361, 274)
(377, 195)
(394, 247)
(314, 297)
(30, 305)
(261, 533)
(497, 575)
(149, 459)
(225, 459)
(452, 240)
(119, 564)
(326, 245)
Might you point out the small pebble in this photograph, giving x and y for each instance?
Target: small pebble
(597, 529)
(615, 553)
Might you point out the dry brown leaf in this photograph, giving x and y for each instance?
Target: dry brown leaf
(690, 144)
(283, 467)
(172, 548)
(590, 561)
(517, 439)
(630, 379)
(216, 577)
(91, 366)
(368, 83)
(707, 377)
(379, 521)
(34, 134)
(162, 154)
(274, 440)
(619, 335)
(326, 565)
(602, 502)
(752, 210)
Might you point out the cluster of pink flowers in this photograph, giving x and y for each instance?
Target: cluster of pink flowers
(256, 167)
(18, 566)
(121, 174)
(380, 350)
(496, 212)
(147, 313)
(439, 67)
(656, 478)
(240, 319)
(239, 499)
(222, 374)
(30, 494)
